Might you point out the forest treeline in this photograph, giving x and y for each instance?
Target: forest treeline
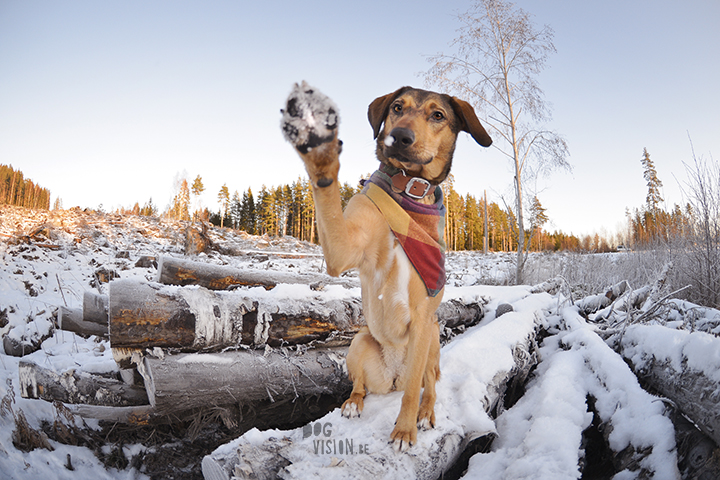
(289, 210)
(17, 190)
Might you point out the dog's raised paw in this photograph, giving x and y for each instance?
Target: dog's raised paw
(309, 118)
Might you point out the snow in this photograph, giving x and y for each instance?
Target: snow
(700, 350)
(538, 437)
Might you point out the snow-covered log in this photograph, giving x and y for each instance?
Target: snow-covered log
(593, 303)
(72, 320)
(153, 315)
(476, 370)
(177, 271)
(77, 387)
(682, 366)
(548, 286)
(186, 381)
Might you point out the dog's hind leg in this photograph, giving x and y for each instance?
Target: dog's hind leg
(367, 370)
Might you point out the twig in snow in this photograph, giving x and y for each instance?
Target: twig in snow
(61, 290)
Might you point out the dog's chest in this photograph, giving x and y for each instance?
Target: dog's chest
(386, 295)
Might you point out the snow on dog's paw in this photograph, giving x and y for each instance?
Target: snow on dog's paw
(425, 424)
(350, 410)
(309, 118)
(401, 445)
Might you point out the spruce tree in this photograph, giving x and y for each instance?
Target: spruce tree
(653, 199)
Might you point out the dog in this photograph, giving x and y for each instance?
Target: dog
(398, 252)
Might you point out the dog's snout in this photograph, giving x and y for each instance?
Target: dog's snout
(404, 137)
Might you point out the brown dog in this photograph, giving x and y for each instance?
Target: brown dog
(399, 257)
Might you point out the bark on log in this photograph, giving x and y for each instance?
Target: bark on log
(77, 387)
(71, 319)
(144, 315)
(181, 382)
(176, 271)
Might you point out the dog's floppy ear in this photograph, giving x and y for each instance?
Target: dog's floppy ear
(378, 109)
(469, 121)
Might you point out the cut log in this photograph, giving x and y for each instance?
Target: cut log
(196, 240)
(176, 271)
(144, 315)
(71, 319)
(176, 383)
(77, 387)
(357, 448)
(681, 366)
(95, 308)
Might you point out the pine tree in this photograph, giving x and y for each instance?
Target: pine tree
(197, 189)
(224, 201)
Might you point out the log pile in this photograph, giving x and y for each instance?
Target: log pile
(201, 337)
(197, 340)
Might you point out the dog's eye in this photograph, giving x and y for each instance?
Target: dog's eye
(438, 116)
(397, 108)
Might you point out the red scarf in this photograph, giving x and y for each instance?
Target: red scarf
(419, 228)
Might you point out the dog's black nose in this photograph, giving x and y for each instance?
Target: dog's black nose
(404, 137)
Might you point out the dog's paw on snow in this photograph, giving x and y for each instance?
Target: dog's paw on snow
(309, 118)
(350, 410)
(425, 424)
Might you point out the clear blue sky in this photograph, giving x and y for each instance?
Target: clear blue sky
(106, 102)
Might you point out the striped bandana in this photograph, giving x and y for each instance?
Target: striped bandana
(419, 228)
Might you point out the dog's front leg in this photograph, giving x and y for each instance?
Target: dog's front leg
(310, 123)
(405, 432)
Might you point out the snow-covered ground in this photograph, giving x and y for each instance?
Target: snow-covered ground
(541, 436)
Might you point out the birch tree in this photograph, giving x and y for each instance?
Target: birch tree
(498, 55)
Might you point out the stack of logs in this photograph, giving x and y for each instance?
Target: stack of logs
(194, 339)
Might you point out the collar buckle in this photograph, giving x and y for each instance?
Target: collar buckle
(414, 187)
